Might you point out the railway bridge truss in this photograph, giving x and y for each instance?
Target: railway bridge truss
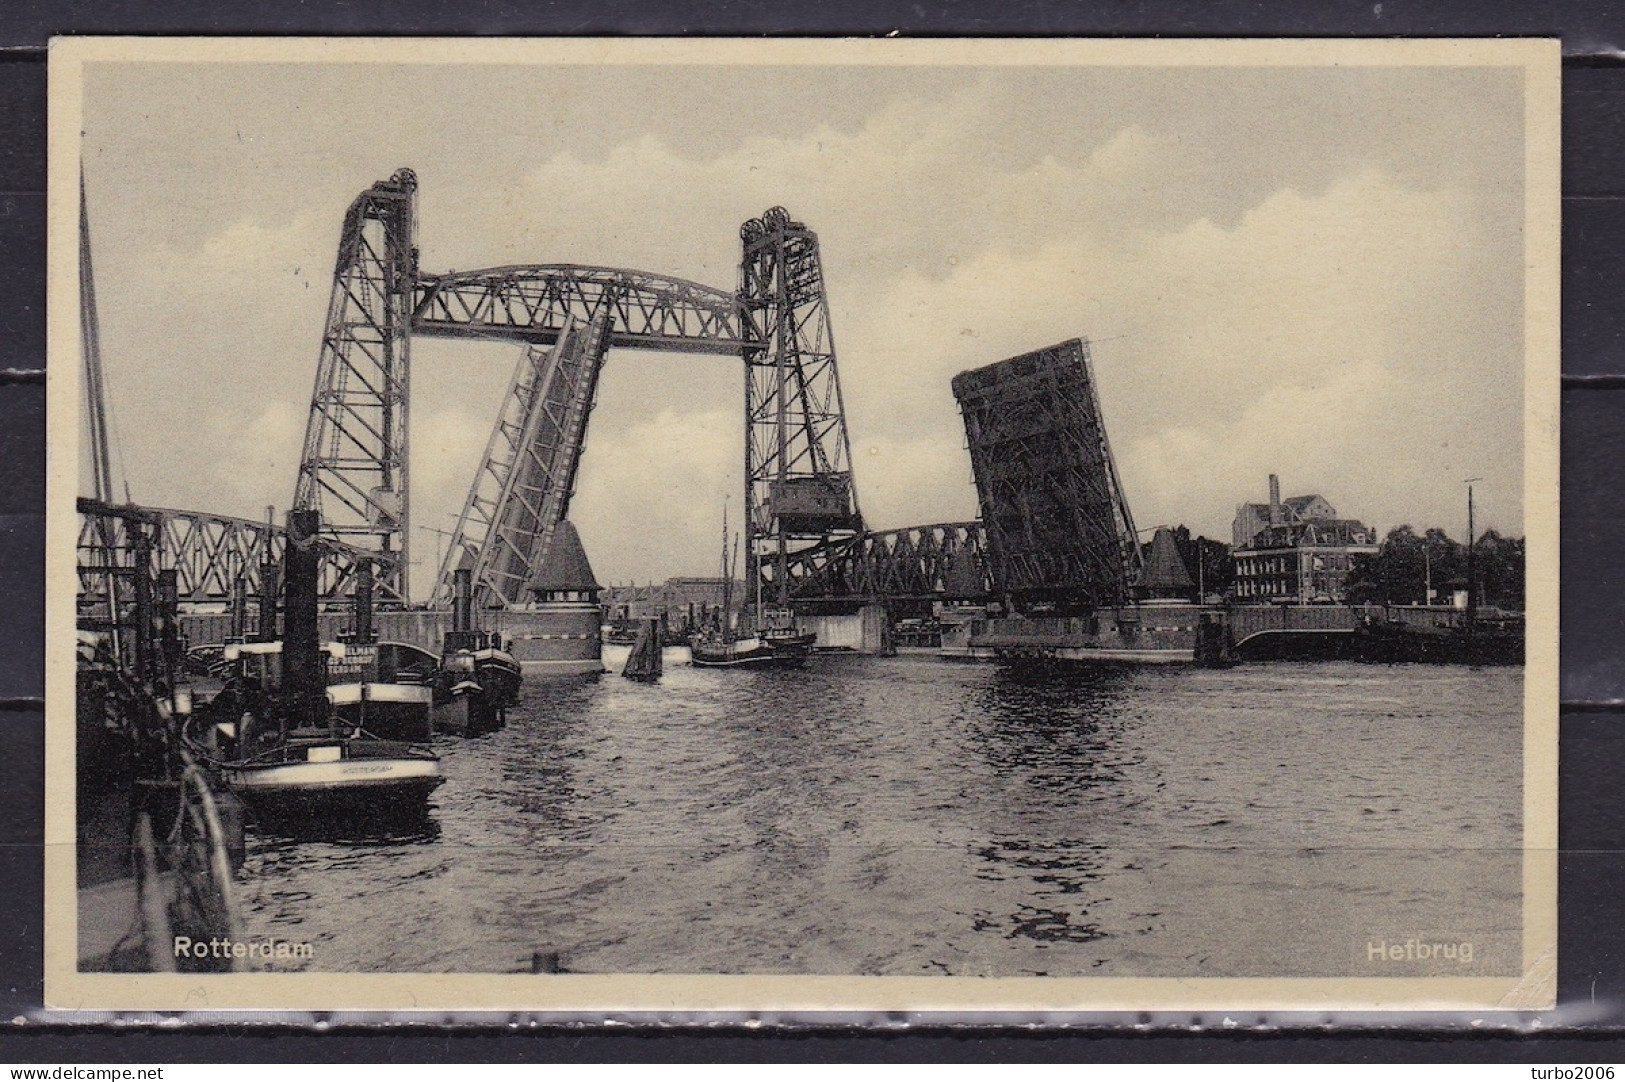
(805, 537)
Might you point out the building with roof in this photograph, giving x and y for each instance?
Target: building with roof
(565, 573)
(1165, 575)
(557, 632)
(1295, 550)
(1251, 518)
(683, 603)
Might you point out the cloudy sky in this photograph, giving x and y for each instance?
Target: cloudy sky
(1310, 271)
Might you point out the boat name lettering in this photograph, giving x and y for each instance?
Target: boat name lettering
(366, 768)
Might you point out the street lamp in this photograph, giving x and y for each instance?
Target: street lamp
(1472, 584)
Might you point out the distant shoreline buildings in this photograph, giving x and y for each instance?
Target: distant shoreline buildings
(676, 599)
(1295, 550)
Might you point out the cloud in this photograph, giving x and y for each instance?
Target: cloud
(1310, 273)
(652, 497)
(210, 351)
(1316, 337)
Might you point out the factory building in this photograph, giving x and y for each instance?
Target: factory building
(1295, 550)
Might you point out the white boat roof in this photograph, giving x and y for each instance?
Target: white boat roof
(334, 650)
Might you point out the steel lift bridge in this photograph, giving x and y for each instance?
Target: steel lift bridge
(804, 532)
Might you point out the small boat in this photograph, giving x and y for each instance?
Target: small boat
(478, 681)
(283, 745)
(751, 651)
(778, 642)
(476, 678)
(315, 773)
(337, 760)
(645, 662)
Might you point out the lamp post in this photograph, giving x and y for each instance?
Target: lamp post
(1472, 582)
(1427, 570)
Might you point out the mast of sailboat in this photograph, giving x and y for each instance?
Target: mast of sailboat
(756, 619)
(727, 574)
(96, 407)
(90, 346)
(727, 616)
(1472, 568)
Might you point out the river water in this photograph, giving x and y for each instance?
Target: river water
(910, 816)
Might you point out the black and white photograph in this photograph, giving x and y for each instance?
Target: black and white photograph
(653, 525)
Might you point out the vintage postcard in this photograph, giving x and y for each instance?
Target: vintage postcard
(652, 526)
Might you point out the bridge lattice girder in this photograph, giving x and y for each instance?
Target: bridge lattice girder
(941, 562)
(534, 304)
(356, 464)
(208, 552)
(356, 451)
(799, 492)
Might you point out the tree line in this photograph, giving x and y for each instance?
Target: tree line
(1400, 570)
(1398, 574)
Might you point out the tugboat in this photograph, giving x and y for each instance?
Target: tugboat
(290, 754)
(776, 643)
(477, 679)
(311, 773)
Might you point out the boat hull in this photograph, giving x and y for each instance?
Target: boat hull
(334, 780)
(1147, 633)
(752, 653)
(387, 711)
(1400, 644)
(500, 675)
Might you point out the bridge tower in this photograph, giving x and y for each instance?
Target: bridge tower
(799, 495)
(355, 462)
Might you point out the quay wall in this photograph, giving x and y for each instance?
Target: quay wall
(557, 638)
(866, 631)
(1249, 620)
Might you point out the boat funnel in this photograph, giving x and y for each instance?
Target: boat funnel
(364, 632)
(304, 669)
(270, 577)
(462, 599)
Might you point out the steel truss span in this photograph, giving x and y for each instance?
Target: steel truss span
(946, 561)
(209, 553)
(534, 304)
(527, 475)
(355, 466)
(355, 469)
(1058, 525)
(806, 534)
